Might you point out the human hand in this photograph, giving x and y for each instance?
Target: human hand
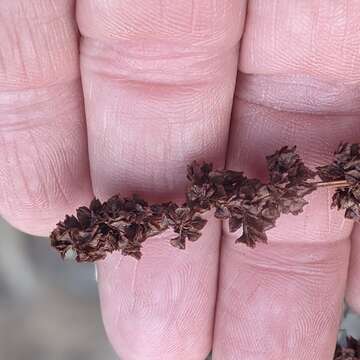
(158, 83)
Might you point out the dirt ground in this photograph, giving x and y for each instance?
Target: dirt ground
(48, 310)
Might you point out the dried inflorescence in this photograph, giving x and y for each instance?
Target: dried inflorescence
(123, 224)
(346, 166)
(351, 351)
(289, 180)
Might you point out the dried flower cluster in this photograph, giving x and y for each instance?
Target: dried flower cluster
(346, 166)
(248, 204)
(350, 352)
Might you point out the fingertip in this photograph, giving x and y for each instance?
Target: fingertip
(37, 220)
(161, 306)
(290, 290)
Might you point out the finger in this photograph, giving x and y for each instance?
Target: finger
(292, 288)
(353, 288)
(284, 300)
(43, 153)
(158, 82)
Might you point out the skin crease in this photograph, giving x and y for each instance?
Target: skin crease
(158, 81)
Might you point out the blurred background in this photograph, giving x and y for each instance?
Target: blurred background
(49, 309)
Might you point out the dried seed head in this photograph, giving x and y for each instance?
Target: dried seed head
(185, 222)
(252, 207)
(289, 180)
(345, 166)
(118, 224)
(351, 351)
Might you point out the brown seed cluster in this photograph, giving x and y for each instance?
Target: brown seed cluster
(350, 352)
(346, 166)
(123, 224)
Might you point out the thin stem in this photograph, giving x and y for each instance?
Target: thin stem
(320, 184)
(338, 183)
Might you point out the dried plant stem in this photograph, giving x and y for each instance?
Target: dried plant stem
(338, 184)
(319, 184)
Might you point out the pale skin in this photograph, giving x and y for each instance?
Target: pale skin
(155, 84)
